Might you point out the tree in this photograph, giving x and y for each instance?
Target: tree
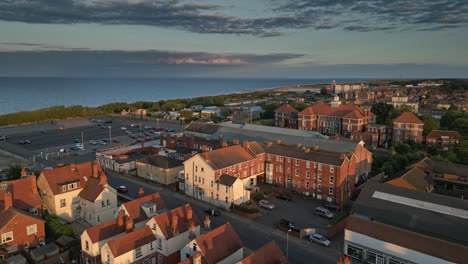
(382, 111)
(324, 91)
(186, 114)
(14, 172)
(429, 124)
(226, 112)
(461, 126)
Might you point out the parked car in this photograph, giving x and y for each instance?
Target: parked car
(319, 239)
(27, 141)
(284, 197)
(266, 204)
(171, 130)
(321, 211)
(77, 140)
(122, 189)
(21, 142)
(43, 132)
(93, 142)
(75, 148)
(105, 139)
(132, 125)
(115, 141)
(95, 149)
(333, 207)
(128, 132)
(123, 128)
(147, 134)
(53, 122)
(102, 142)
(213, 211)
(3, 138)
(148, 127)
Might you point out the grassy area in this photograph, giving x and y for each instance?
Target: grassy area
(54, 229)
(265, 122)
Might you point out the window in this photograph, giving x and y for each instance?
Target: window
(319, 188)
(307, 185)
(415, 133)
(260, 157)
(277, 158)
(99, 218)
(289, 160)
(226, 199)
(294, 183)
(87, 245)
(320, 177)
(195, 178)
(227, 189)
(331, 179)
(281, 168)
(307, 174)
(251, 181)
(269, 157)
(330, 190)
(63, 203)
(281, 159)
(281, 180)
(211, 183)
(298, 184)
(138, 252)
(308, 164)
(159, 243)
(297, 162)
(217, 186)
(297, 172)
(146, 261)
(246, 164)
(103, 203)
(203, 180)
(320, 166)
(108, 202)
(202, 169)
(289, 170)
(245, 173)
(64, 188)
(211, 195)
(7, 237)
(196, 168)
(217, 196)
(332, 168)
(315, 165)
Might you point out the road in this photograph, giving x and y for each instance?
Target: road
(253, 234)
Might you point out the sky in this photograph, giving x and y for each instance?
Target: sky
(235, 39)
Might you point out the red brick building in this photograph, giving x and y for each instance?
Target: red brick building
(446, 139)
(370, 139)
(384, 133)
(286, 116)
(407, 127)
(24, 192)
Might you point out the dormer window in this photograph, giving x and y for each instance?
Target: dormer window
(64, 188)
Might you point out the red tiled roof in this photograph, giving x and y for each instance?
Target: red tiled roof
(219, 243)
(22, 191)
(408, 117)
(9, 214)
(136, 213)
(225, 157)
(286, 108)
(322, 109)
(164, 221)
(130, 241)
(268, 254)
(105, 230)
(443, 133)
(92, 189)
(308, 111)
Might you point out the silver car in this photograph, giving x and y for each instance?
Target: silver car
(319, 239)
(266, 204)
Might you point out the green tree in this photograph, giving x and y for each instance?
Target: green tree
(14, 172)
(382, 112)
(428, 106)
(429, 124)
(186, 114)
(461, 150)
(226, 112)
(461, 126)
(324, 91)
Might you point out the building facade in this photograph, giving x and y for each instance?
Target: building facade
(286, 116)
(446, 139)
(161, 169)
(407, 127)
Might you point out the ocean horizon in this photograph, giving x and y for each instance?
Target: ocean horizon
(30, 93)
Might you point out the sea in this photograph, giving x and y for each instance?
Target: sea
(24, 94)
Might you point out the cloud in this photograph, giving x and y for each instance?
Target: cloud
(198, 18)
(381, 15)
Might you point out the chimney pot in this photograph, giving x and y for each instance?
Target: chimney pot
(245, 144)
(307, 150)
(174, 223)
(192, 227)
(204, 148)
(33, 183)
(224, 144)
(72, 166)
(269, 144)
(299, 145)
(120, 221)
(23, 173)
(278, 141)
(235, 142)
(316, 147)
(8, 200)
(141, 193)
(102, 179)
(207, 222)
(128, 225)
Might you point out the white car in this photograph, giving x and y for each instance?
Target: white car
(319, 239)
(266, 204)
(133, 125)
(79, 145)
(123, 128)
(92, 142)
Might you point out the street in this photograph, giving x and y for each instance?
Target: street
(253, 234)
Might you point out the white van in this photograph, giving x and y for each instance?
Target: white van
(321, 211)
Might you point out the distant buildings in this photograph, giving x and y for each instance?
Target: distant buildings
(161, 169)
(398, 101)
(407, 127)
(343, 88)
(446, 139)
(286, 116)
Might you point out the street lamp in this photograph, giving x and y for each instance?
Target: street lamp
(287, 244)
(110, 137)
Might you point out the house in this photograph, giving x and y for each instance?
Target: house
(446, 139)
(384, 133)
(414, 179)
(462, 106)
(268, 254)
(137, 247)
(343, 88)
(144, 208)
(173, 230)
(398, 101)
(220, 245)
(286, 116)
(370, 139)
(19, 229)
(24, 194)
(94, 238)
(161, 169)
(78, 191)
(407, 127)
(122, 159)
(226, 175)
(434, 113)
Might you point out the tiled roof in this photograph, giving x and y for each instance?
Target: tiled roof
(131, 241)
(164, 221)
(136, 213)
(443, 133)
(202, 127)
(219, 243)
(161, 161)
(415, 179)
(92, 189)
(104, 231)
(268, 254)
(256, 148)
(308, 111)
(410, 240)
(443, 167)
(286, 108)
(22, 191)
(320, 155)
(407, 117)
(226, 180)
(225, 157)
(9, 214)
(65, 174)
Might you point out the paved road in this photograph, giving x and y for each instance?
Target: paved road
(253, 234)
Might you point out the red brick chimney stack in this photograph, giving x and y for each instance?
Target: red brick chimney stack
(141, 193)
(299, 145)
(197, 258)
(224, 144)
(95, 170)
(316, 147)
(189, 212)
(72, 166)
(33, 182)
(129, 225)
(220, 138)
(23, 173)
(245, 144)
(278, 141)
(8, 200)
(120, 221)
(204, 148)
(102, 179)
(207, 222)
(307, 150)
(235, 142)
(174, 223)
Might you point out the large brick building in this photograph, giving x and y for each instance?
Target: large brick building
(446, 139)
(286, 116)
(407, 127)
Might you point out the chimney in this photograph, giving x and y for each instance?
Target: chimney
(205, 155)
(278, 141)
(343, 156)
(194, 152)
(299, 145)
(269, 144)
(8, 200)
(141, 193)
(235, 142)
(316, 147)
(120, 221)
(204, 148)
(192, 137)
(307, 150)
(95, 170)
(189, 212)
(129, 225)
(23, 173)
(337, 137)
(350, 153)
(72, 166)
(186, 157)
(207, 222)
(174, 223)
(197, 258)
(192, 227)
(60, 165)
(220, 138)
(103, 180)
(33, 182)
(245, 144)
(224, 144)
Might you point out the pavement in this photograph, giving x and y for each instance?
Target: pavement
(254, 234)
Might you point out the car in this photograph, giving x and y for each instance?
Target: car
(140, 140)
(284, 197)
(115, 141)
(27, 141)
(61, 128)
(75, 148)
(333, 207)
(79, 145)
(3, 138)
(21, 142)
(128, 132)
(148, 127)
(266, 204)
(213, 211)
(319, 239)
(147, 138)
(53, 122)
(77, 140)
(166, 130)
(107, 121)
(123, 128)
(95, 149)
(93, 120)
(171, 130)
(132, 125)
(93, 142)
(43, 132)
(105, 140)
(102, 127)
(147, 134)
(102, 142)
(321, 211)
(122, 189)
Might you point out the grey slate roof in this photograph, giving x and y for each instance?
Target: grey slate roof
(320, 155)
(226, 180)
(424, 220)
(161, 161)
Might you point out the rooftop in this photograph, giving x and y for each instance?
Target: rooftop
(131, 241)
(268, 254)
(202, 127)
(443, 133)
(164, 221)
(443, 167)
(408, 117)
(9, 214)
(161, 161)
(414, 179)
(228, 156)
(24, 193)
(136, 213)
(226, 180)
(286, 108)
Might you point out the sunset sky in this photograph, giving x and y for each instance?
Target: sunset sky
(241, 38)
